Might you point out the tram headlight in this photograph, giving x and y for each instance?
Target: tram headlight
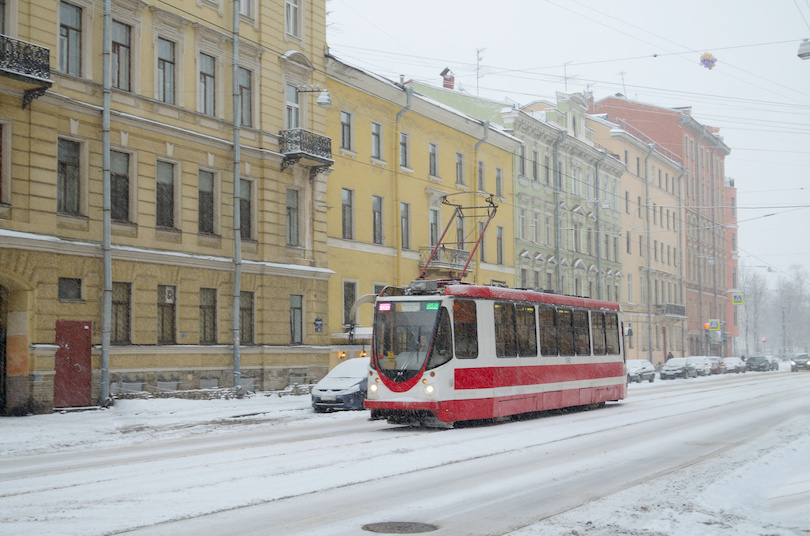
(428, 389)
(372, 388)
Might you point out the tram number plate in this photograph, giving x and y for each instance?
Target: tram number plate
(568, 360)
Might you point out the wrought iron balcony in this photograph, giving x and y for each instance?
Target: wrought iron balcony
(27, 63)
(671, 309)
(299, 145)
(445, 259)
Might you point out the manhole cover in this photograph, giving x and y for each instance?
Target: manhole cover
(399, 527)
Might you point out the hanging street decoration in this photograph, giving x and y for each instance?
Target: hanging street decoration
(708, 60)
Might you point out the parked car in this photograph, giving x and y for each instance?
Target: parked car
(717, 365)
(701, 364)
(677, 367)
(774, 362)
(734, 364)
(758, 363)
(800, 362)
(639, 370)
(343, 388)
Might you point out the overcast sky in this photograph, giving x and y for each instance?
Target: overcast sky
(758, 92)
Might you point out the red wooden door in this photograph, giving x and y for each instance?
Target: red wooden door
(71, 385)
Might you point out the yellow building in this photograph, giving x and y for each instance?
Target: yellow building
(402, 164)
(652, 225)
(178, 259)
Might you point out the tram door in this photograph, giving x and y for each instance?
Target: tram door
(71, 385)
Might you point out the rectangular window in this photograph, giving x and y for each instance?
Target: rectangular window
(246, 318)
(459, 168)
(245, 96)
(164, 195)
(119, 185)
(404, 157)
(433, 159)
(207, 84)
(548, 331)
(205, 202)
(576, 186)
(522, 161)
(67, 197)
(522, 223)
(166, 314)
(70, 39)
(629, 242)
(291, 18)
(460, 232)
(296, 319)
(120, 314)
(346, 130)
(465, 329)
(293, 115)
(505, 330)
(377, 219)
(292, 217)
(482, 246)
(121, 55)
(433, 226)
(498, 182)
(535, 166)
(349, 297)
(548, 169)
(245, 207)
(245, 8)
(526, 331)
(405, 225)
(536, 225)
(347, 214)
(565, 331)
(582, 334)
(208, 315)
(499, 244)
(70, 289)
(481, 187)
(166, 64)
(376, 140)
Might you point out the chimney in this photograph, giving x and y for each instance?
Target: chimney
(449, 79)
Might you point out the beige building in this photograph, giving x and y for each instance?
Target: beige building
(198, 233)
(653, 238)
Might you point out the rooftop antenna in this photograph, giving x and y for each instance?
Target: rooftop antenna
(624, 88)
(478, 59)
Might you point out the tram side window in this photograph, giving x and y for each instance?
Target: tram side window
(526, 331)
(582, 336)
(612, 333)
(441, 351)
(598, 321)
(565, 331)
(505, 332)
(465, 329)
(548, 331)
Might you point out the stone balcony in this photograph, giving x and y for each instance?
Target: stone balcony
(305, 147)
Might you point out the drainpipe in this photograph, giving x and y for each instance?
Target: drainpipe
(680, 264)
(701, 320)
(397, 173)
(479, 143)
(557, 185)
(649, 259)
(237, 218)
(598, 228)
(106, 304)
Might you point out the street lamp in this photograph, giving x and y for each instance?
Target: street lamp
(324, 99)
(804, 49)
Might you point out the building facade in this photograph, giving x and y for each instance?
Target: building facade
(652, 215)
(403, 165)
(147, 185)
(706, 257)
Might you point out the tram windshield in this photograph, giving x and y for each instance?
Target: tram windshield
(402, 335)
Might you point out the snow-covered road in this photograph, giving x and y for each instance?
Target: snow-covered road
(674, 458)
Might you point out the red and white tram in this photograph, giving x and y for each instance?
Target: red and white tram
(457, 352)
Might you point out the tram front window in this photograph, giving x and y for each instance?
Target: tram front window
(402, 334)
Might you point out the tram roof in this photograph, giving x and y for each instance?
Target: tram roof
(503, 293)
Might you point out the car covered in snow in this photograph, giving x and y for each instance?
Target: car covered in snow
(734, 364)
(718, 366)
(800, 362)
(701, 364)
(677, 367)
(758, 363)
(344, 387)
(639, 370)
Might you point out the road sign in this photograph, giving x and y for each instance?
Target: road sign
(737, 298)
(714, 325)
